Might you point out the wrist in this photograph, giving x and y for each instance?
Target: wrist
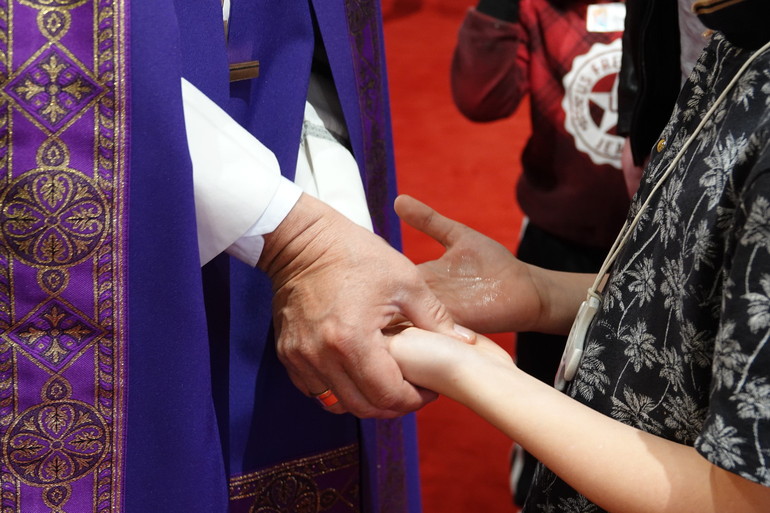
(294, 236)
(481, 380)
(560, 295)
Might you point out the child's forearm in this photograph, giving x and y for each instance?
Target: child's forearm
(620, 468)
(560, 295)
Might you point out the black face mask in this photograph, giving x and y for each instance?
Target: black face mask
(743, 22)
(564, 4)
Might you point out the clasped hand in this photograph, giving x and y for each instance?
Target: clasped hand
(337, 286)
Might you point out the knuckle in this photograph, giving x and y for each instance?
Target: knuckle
(365, 413)
(436, 309)
(336, 338)
(387, 400)
(290, 351)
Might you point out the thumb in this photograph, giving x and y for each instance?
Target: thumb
(430, 314)
(420, 216)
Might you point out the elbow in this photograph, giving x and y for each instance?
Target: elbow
(479, 106)
(469, 108)
(484, 95)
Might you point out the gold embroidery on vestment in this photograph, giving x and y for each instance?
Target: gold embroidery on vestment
(62, 219)
(294, 485)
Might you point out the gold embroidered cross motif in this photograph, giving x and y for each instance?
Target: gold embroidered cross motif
(54, 334)
(53, 88)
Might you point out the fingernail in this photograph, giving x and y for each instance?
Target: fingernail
(465, 333)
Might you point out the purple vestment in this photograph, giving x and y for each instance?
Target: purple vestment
(128, 380)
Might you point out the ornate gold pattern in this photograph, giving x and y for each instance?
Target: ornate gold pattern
(53, 217)
(62, 247)
(61, 4)
(56, 442)
(53, 88)
(5, 69)
(54, 23)
(324, 482)
(53, 334)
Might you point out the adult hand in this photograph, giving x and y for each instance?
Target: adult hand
(484, 286)
(336, 287)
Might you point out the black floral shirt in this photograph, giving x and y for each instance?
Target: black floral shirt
(681, 345)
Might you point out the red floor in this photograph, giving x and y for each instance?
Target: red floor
(466, 171)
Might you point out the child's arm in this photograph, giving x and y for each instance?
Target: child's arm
(485, 287)
(490, 65)
(620, 468)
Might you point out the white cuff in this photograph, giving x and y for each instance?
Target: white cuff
(249, 247)
(235, 176)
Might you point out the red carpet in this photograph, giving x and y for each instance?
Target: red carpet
(466, 171)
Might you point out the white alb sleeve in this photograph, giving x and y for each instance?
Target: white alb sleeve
(240, 194)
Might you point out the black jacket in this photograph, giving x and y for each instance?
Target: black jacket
(650, 75)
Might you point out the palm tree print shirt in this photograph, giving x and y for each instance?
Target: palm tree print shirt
(680, 346)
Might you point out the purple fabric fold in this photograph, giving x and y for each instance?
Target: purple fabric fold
(129, 380)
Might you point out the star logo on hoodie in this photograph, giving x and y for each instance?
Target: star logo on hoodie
(591, 103)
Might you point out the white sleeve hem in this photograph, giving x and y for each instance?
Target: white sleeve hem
(248, 248)
(235, 176)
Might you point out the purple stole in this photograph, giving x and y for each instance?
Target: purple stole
(380, 471)
(63, 233)
(127, 383)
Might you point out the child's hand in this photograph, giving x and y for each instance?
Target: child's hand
(481, 283)
(443, 364)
